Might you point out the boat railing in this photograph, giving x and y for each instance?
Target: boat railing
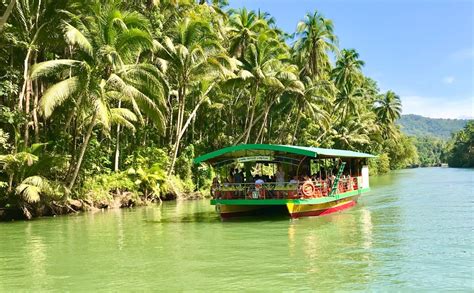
(283, 190)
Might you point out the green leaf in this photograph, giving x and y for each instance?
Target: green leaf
(58, 93)
(50, 67)
(75, 37)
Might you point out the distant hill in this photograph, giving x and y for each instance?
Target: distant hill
(423, 126)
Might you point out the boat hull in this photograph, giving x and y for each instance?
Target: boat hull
(292, 209)
(234, 211)
(311, 210)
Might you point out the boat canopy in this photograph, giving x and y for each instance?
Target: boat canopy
(273, 152)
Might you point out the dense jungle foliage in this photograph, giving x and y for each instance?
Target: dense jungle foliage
(101, 98)
(461, 148)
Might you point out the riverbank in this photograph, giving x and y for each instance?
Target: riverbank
(115, 200)
(72, 206)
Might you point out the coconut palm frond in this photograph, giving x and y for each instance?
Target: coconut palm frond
(75, 37)
(58, 93)
(51, 67)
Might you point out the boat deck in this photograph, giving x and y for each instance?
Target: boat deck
(284, 201)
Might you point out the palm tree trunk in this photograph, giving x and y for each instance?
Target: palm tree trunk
(315, 58)
(321, 136)
(296, 125)
(117, 150)
(83, 150)
(252, 114)
(27, 113)
(117, 145)
(35, 111)
(245, 132)
(247, 118)
(10, 183)
(286, 121)
(29, 89)
(170, 125)
(7, 13)
(185, 126)
(265, 121)
(26, 64)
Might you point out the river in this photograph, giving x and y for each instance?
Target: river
(413, 231)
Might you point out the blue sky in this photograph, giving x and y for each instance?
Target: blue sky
(423, 50)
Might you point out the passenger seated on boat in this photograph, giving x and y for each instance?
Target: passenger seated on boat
(279, 178)
(280, 175)
(238, 176)
(259, 180)
(293, 193)
(350, 182)
(228, 181)
(259, 186)
(215, 185)
(332, 178)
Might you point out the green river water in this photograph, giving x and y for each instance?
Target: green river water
(413, 231)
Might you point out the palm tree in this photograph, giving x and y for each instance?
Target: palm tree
(348, 69)
(263, 67)
(7, 13)
(34, 22)
(287, 74)
(316, 40)
(388, 107)
(195, 55)
(244, 28)
(351, 134)
(102, 75)
(313, 102)
(348, 101)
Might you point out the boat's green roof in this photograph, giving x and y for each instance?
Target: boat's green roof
(242, 150)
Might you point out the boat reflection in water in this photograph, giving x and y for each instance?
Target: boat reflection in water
(332, 244)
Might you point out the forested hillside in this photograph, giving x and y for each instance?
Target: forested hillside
(420, 126)
(101, 99)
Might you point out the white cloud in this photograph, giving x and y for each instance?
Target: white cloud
(462, 55)
(436, 107)
(448, 79)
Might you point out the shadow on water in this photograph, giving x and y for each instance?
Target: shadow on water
(266, 213)
(270, 213)
(195, 217)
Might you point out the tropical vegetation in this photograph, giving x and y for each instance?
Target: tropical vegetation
(101, 99)
(461, 148)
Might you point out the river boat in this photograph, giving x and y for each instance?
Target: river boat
(298, 181)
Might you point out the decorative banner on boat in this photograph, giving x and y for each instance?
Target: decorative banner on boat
(254, 158)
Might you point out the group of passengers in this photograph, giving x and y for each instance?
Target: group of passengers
(238, 176)
(322, 182)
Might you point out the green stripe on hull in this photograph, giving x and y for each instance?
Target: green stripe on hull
(285, 201)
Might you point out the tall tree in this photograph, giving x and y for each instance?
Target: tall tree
(388, 107)
(101, 74)
(244, 27)
(316, 40)
(348, 69)
(194, 55)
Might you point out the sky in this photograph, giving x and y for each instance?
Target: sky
(422, 50)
